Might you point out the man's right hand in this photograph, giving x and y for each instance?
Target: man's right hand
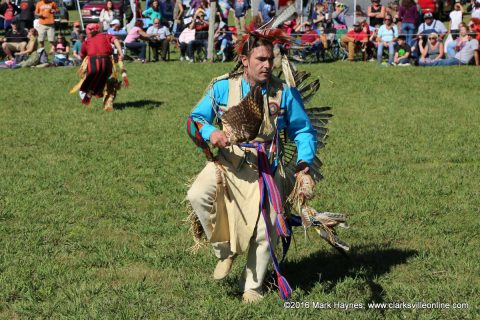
(219, 139)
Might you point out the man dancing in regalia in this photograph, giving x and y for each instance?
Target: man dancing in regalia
(239, 198)
(98, 72)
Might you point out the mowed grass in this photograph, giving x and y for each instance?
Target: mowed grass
(92, 203)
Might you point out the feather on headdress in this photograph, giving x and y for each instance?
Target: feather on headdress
(268, 31)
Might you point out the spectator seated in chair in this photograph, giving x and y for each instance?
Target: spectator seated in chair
(224, 40)
(310, 39)
(15, 41)
(432, 51)
(402, 52)
(201, 35)
(159, 37)
(187, 36)
(133, 40)
(355, 39)
(115, 28)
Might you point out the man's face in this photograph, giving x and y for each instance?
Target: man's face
(357, 28)
(428, 21)
(259, 65)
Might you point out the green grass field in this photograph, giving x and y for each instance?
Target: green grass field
(91, 203)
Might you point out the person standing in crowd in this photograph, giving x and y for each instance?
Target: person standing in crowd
(106, 16)
(476, 10)
(240, 8)
(159, 37)
(432, 25)
(266, 10)
(408, 15)
(8, 10)
(456, 17)
(338, 16)
(27, 14)
(376, 12)
(386, 37)
(45, 10)
(152, 13)
(178, 11)
(318, 17)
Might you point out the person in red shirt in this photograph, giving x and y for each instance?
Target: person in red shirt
(357, 37)
(97, 67)
(310, 39)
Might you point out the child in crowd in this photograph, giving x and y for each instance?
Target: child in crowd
(76, 59)
(402, 52)
(76, 32)
(225, 40)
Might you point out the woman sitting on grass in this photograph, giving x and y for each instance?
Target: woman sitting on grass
(432, 51)
(60, 49)
(29, 57)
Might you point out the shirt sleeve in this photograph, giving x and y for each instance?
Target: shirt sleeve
(204, 111)
(298, 124)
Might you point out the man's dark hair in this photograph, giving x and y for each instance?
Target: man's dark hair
(254, 42)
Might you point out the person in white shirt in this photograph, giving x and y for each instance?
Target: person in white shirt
(456, 17)
(106, 16)
(159, 38)
(187, 36)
